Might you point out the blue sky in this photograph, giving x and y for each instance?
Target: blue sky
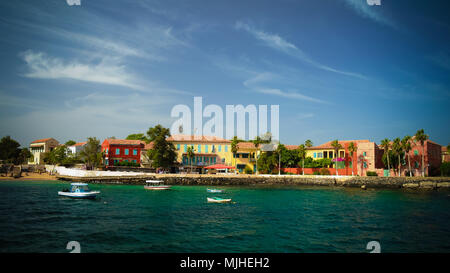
(339, 69)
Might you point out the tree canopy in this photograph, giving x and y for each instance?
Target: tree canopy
(163, 154)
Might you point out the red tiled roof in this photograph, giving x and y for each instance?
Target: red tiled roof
(327, 145)
(246, 145)
(291, 147)
(41, 140)
(125, 142)
(444, 149)
(80, 143)
(192, 138)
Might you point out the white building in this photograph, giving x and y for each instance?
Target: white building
(76, 148)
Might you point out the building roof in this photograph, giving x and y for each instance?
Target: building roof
(327, 145)
(112, 141)
(246, 145)
(149, 146)
(79, 144)
(42, 140)
(193, 138)
(291, 147)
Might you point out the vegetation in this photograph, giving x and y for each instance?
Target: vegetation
(336, 146)
(421, 137)
(70, 143)
(369, 173)
(163, 154)
(406, 146)
(385, 144)
(127, 164)
(352, 150)
(141, 137)
(301, 150)
(248, 170)
(308, 143)
(190, 154)
(445, 169)
(397, 151)
(11, 153)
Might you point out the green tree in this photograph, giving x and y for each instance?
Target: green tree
(386, 144)
(406, 146)
(24, 156)
(234, 148)
(163, 154)
(398, 152)
(141, 137)
(308, 143)
(421, 137)
(91, 153)
(301, 150)
(257, 142)
(9, 149)
(336, 146)
(190, 155)
(70, 143)
(352, 149)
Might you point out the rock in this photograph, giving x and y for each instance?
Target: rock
(363, 187)
(410, 185)
(443, 185)
(427, 185)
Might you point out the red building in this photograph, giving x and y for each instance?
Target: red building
(119, 150)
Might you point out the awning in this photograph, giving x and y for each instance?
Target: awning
(219, 166)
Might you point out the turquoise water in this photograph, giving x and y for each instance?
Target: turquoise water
(33, 218)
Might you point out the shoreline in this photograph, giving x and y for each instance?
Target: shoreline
(427, 183)
(30, 176)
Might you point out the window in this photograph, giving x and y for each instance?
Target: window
(315, 155)
(134, 161)
(416, 164)
(226, 148)
(127, 151)
(117, 151)
(134, 151)
(416, 152)
(199, 148)
(341, 154)
(106, 162)
(325, 154)
(206, 148)
(331, 154)
(244, 155)
(220, 148)
(178, 146)
(365, 165)
(320, 155)
(364, 154)
(223, 160)
(213, 148)
(185, 147)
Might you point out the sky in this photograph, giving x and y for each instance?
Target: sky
(338, 69)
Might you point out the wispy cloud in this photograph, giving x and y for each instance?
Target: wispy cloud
(260, 82)
(278, 43)
(372, 12)
(42, 66)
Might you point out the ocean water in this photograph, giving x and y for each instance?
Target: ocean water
(33, 218)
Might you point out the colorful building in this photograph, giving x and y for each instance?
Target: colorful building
(245, 156)
(41, 146)
(445, 154)
(122, 150)
(208, 150)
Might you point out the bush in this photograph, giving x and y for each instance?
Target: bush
(445, 169)
(369, 173)
(316, 173)
(324, 171)
(127, 164)
(248, 170)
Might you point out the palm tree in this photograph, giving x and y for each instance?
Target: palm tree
(406, 145)
(257, 141)
(397, 149)
(351, 149)
(336, 145)
(421, 137)
(190, 155)
(385, 144)
(234, 150)
(308, 143)
(302, 154)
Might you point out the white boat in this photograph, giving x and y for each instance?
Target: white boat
(79, 190)
(156, 185)
(214, 190)
(217, 200)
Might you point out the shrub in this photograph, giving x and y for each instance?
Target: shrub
(445, 169)
(127, 164)
(248, 170)
(316, 173)
(324, 171)
(370, 173)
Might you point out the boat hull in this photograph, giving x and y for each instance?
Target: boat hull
(79, 195)
(157, 188)
(214, 191)
(212, 200)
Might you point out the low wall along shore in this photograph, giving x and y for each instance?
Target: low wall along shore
(244, 180)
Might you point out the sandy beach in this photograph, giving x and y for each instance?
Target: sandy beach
(30, 176)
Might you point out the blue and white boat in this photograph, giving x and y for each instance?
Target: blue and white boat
(214, 190)
(79, 190)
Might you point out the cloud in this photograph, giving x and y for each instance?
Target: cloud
(42, 66)
(366, 11)
(278, 43)
(260, 81)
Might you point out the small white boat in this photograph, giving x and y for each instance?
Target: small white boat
(217, 200)
(79, 190)
(214, 190)
(156, 185)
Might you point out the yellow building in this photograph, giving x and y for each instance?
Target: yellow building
(41, 146)
(245, 156)
(208, 150)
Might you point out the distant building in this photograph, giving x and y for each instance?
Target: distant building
(76, 148)
(41, 146)
(445, 154)
(246, 156)
(120, 150)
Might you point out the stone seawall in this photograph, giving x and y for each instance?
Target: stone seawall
(246, 180)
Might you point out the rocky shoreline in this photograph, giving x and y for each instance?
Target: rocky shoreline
(428, 183)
